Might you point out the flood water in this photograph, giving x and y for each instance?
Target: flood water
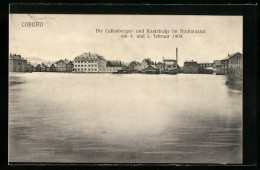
(130, 118)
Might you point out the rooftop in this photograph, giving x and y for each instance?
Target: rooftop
(89, 56)
(15, 56)
(65, 61)
(231, 55)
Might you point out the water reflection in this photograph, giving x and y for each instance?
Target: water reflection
(235, 85)
(124, 118)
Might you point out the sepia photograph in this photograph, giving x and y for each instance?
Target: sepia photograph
(103, 88)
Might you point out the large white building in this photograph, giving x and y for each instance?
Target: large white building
(88, 62)
(93, 63)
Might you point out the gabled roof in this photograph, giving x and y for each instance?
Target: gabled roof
(150, 67)
(231, 55)
(60, 61)
(65, 61)
(135, 63)
(35, 65)
(48, 64)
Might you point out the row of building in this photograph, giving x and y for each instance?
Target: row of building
(19, 64)
(167, 66)
(87, 62)
(219, 67)
(94, 63)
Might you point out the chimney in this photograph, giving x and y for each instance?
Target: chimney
(177, 56)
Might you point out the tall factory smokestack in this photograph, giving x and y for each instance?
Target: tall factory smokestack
(176, 56)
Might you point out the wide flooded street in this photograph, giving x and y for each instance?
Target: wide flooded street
(124, 118)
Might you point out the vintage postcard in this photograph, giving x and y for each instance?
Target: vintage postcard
(87, 88)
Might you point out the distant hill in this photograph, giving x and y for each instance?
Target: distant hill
(36, 60)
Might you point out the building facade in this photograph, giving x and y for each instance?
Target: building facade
(37, 68)
(217, 67)
(235, 61)
(64, 66)
(89, 63)
(224, 66)
(44, 68)
(29, 67)
(160, 66)
(135, 66)
(113, 66)
(170, 66)
(53, 68)
(145, 63)
(17, 63)
(94, 63)
(205, 68)
(206, 65)
(190, 67)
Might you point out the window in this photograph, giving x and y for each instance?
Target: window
(89, 69)
(85, 69)
(75, 69)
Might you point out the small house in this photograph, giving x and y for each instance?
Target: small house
(151, 70)
(53, 68)
(29, 67)
(161, 67)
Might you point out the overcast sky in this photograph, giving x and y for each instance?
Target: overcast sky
(67, 36)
